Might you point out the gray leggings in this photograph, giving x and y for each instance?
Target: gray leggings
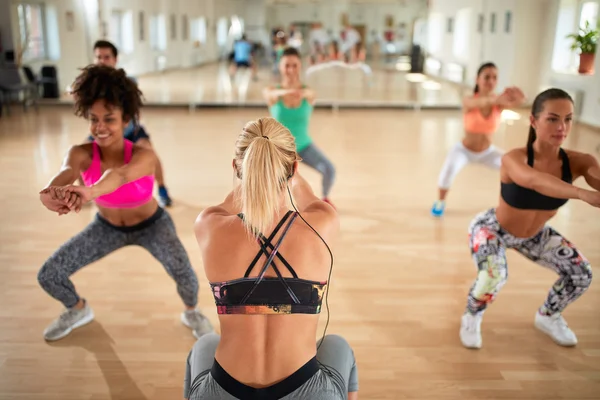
(314, 158)
(336, 377)
(156, 234)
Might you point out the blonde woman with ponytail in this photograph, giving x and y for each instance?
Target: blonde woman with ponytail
(268, 262)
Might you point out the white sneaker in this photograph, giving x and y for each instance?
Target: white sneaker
(197, 322)
(70, 319)
(556, 327)
(470, 331)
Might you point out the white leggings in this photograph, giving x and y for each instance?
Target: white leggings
(460, 156)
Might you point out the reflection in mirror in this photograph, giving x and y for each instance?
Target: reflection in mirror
(353, 52)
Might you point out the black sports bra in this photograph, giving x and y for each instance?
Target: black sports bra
(269, 295)
(526, 199)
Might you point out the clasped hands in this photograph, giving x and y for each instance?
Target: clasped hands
(511, 95)
(64, 199)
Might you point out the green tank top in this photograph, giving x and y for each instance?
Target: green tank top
(278, 54)
(296, 120)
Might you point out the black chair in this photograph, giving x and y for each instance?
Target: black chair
(13, 86)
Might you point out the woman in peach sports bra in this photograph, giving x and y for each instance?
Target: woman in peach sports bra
(482, 113)
(118, 176)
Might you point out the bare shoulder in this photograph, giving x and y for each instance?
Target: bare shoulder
(80, 152)
(578, 156)
(212, 220)
(210, 215)
(517, 154)
(143, 148)
(322, 217)
(580, 161)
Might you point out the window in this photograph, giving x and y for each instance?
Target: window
(435, 36)
(460, 39)
(572, 16)
(121, 30)
(450, 25)
(32, 30)
(158, 32)
(589, 13)
(480, 22)
(493, 23)
(116, 28)
(222, 31)
(198, 29)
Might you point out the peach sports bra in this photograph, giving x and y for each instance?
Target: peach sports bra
(476, 123)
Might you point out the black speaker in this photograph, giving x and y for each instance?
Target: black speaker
(49, 79)
(417, 59)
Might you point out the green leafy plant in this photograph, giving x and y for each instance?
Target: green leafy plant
(585, 41)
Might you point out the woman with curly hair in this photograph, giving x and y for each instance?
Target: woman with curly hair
(118, 176)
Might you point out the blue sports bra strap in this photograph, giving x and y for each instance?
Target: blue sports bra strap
(260, 253)
(270, 259)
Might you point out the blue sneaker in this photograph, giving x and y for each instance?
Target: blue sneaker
(438, 208)
(165, 200)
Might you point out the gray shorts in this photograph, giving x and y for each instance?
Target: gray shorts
(331, 375)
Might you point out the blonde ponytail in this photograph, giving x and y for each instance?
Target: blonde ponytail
(265, 155)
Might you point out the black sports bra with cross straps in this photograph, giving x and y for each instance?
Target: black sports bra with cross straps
(269, 295)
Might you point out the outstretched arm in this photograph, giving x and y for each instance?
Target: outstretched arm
(511, 98)
(470, 102)
(589, 169)
(55, 200)
(70, 168)
(309, 95)
(143, 163)
(546, 184)
(272, 95)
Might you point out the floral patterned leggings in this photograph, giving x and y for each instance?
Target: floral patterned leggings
(488, 242)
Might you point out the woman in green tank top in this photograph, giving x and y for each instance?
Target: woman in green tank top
(291, 104)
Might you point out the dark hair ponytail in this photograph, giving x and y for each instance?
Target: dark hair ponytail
(480, 70)
(532, 136)
(538, 107)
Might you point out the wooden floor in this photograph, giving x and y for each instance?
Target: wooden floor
(210, 84)
(399, 282)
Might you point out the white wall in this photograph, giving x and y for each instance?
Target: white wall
(587, 85)
(76, 45)
(513, 52)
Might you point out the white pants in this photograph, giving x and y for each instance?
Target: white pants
(460, 156)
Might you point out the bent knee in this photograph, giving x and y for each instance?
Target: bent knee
(490, 280)
(336, 342)
(583, 279)
(206, 343)
(48, 273)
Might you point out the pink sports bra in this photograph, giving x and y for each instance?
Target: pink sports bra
(475, 122)
(130, 195)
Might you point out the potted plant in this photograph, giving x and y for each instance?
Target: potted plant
(585, 41)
